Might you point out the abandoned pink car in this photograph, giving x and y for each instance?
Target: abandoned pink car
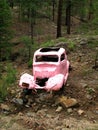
(50, 70)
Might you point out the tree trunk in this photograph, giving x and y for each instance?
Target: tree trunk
(90, 15)
(53, 9)
(32, 21)
(32, 30)
(0, 55)
(11, 2)
(59, 19)
(68, 16)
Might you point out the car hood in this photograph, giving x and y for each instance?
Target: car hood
(44, 70)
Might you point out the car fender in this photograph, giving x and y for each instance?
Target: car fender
(55, 82)
(27, 81)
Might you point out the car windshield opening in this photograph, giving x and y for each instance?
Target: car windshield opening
(46, 58)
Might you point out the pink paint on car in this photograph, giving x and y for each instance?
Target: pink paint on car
(50, 70)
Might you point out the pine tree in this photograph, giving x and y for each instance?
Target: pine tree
(59, 19)
(5, 20)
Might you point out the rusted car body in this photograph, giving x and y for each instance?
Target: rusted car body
(50, 70)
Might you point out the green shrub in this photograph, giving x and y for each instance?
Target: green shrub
(28, 45)
(48, 43)
(90, 90)
(71, 45)
(1, 68)
(93, 43)
(61, 39)
(3, 89)
(8, 79)
(11, 75)
(30, 63)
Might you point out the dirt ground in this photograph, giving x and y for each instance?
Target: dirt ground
(42, 111)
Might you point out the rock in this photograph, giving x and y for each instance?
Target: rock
(30, 114)
(49, 116)
(84, 85)
(42, 97)
(69, 110)
(43, 106)
(96, 111)
(67, 102)
(58, 128)
(83, 42)
(63, 128)
(41, 128)
(30, 101)
(13, 91)
(67, 85)
(80, 112)
(59, 109)
(20, 114)
(79, 58)
(88, 96)
(27, 106)
(41, 113)
(17, 101)
(19, 94)
(45, 97)
(62, 44)
(5, 107)
(67, 126)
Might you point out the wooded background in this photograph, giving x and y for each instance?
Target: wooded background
(61, 12)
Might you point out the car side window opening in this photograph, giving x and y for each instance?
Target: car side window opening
(62, 57)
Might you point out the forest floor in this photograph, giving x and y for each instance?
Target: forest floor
(42, 111)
